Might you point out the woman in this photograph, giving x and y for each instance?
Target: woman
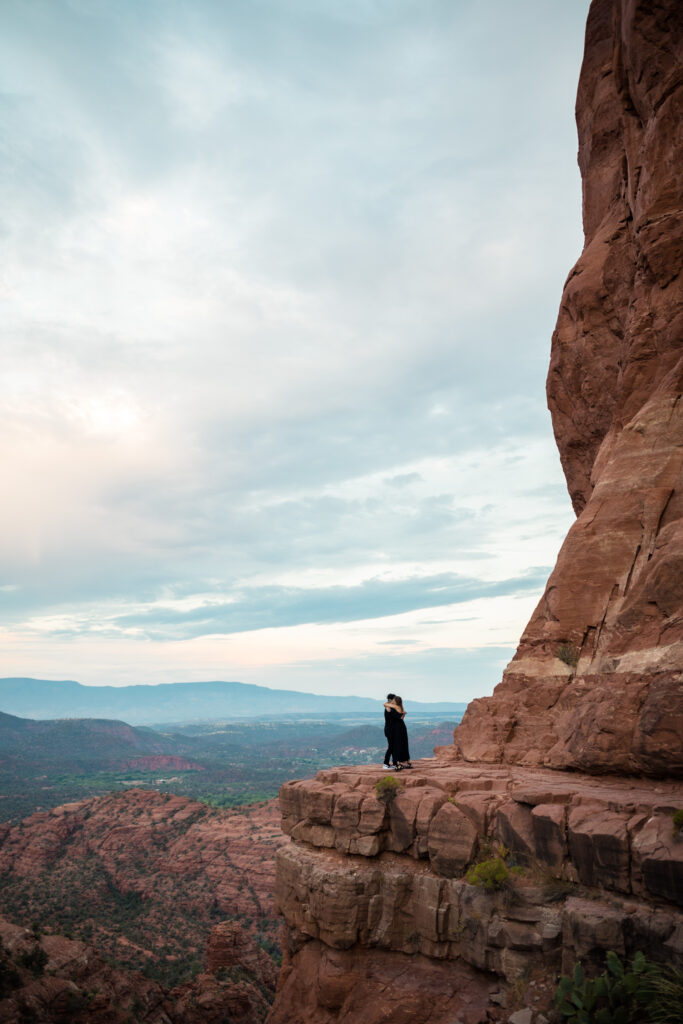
(396, 733)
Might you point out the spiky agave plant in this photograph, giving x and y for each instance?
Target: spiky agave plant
(665, 985)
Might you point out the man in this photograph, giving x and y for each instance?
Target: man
(389, 759)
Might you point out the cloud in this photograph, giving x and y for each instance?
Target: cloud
(279, 283)
(267, 607)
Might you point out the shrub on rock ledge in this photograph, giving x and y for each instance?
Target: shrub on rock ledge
(489, 874)
(569, 654)
(387, 788)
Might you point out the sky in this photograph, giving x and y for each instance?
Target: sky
(279, 279)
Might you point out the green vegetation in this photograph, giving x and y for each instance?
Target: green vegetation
(241, 763)
(488, 874)
(159, 930)
(387, 788)
(34, 960)
(270, 946)
(9, 976)
(678, 821)
(666, 985)
(234, 766)
(642, 994)
(240, 798)
(569, 654)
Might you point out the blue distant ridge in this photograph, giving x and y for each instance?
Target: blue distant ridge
(182, 702)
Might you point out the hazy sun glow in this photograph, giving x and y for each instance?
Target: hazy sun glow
(279, 287)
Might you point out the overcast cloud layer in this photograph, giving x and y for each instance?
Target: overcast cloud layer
(279, 279)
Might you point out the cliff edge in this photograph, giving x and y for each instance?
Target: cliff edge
(596, 683)
(567, 780)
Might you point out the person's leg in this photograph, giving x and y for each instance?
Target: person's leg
(392, 745)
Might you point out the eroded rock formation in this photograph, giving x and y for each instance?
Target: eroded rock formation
(52, 979)
(382, 919)
(373, 892)
(237, 986)
(147, 874)
(613, 607)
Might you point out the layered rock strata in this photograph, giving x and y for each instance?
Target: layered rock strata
(599, 868)
(229, 946)
(237, 985)
(568, 771)
(176, 865)
(596, 683)
(51, 979)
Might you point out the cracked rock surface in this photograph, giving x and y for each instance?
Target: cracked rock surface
(373, 891)
(570, 773)
(613, 606)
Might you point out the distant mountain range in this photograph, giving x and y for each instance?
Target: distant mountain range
(106, 743)
(183, 702)
(91, 739)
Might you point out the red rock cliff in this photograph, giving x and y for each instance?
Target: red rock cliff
(384, 916)
(613, 606)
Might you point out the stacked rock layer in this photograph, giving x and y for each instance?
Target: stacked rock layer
(596, 683)
(570, 773)
(374, 891)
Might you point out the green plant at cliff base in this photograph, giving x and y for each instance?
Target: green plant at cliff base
(666, 986)
(678, 822)
(387, 788)
(489, 874)
(617, 996)
(569, 654)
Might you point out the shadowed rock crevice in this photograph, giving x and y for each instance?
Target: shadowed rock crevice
(586, 864)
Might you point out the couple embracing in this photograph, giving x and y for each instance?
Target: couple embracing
(397, 755)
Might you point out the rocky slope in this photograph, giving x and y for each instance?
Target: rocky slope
(85, 739)
(564, 783)
(55, 980)
(143, 876)
(596, 681)
(161, 763)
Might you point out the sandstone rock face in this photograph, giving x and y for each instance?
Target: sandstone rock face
(599, 868)
(320, 985)
(375, 893)
(238, 985)
(72, 984)
(175, 865)
(229, 946)
(606, 833)
(613, 606)
(55, 980)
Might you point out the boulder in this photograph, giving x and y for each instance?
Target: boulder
(658, 860)
(514, 828)
(452, 841)
(596, 684)
(599, 846)
(548, 825)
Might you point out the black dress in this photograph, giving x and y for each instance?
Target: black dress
(397, 735)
